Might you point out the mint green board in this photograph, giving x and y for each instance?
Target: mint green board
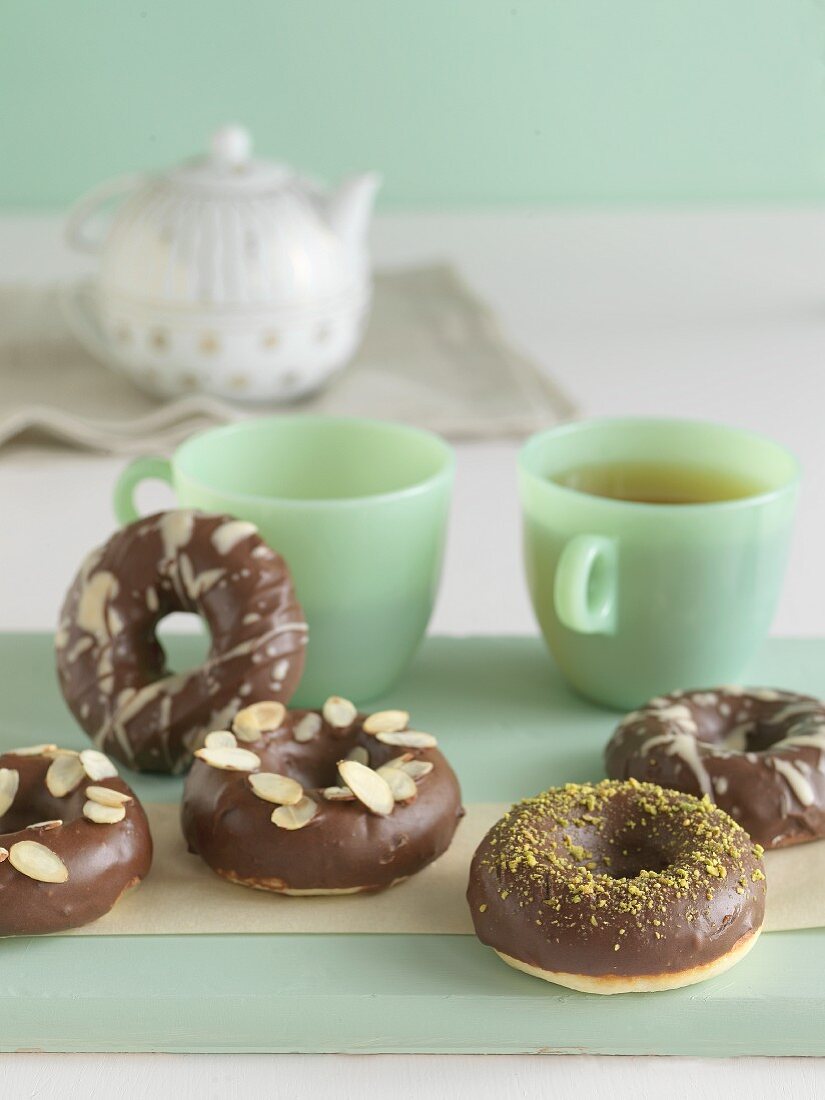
(510, 727)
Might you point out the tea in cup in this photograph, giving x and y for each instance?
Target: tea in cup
(654, 551)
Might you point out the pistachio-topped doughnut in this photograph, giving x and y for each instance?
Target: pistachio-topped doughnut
(329, 802)
(73, 839)
(617, 888)
(758, 753)
(112, 667)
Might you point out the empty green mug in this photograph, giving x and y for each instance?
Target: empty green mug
(358, 508)
(637, 599)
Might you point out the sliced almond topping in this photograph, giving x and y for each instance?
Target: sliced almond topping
(386, 721)
(97, 765)
(258, 718)
(105, 796)
(65, 773)
(359, 753)
(103, 815)
(220, 739)
(339, 712)
(338, 794)
(402, 785)
(367, 786)
(45, 826)
(272, 787)
(9, 782)
(36, 861)
(308, 727)
(399, 761)
(417, 769)
(4, 855)
(295, 817)
(409, 739)
(406, 762)
(231, 760)
(34, 750)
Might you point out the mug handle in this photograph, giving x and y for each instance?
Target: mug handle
(585, 586)
(151, 467)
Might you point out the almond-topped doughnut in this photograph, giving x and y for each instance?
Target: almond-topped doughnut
(758, 753)
(73, 839)
(319, 802)
(618, 888)
(112, 668)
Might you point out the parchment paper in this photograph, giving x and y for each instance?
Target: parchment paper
(181, 895)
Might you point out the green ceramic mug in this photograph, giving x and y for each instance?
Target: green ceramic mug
(639, 599)
(359, 510)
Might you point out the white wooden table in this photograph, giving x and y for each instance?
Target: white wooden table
(719, 315)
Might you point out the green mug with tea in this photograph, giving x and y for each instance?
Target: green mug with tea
(358, 508)
(654, 551)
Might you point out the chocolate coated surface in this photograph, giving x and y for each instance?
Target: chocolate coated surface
(102, 860)
(345, 846)
(111, 667)
(759, 754)
(615, 879)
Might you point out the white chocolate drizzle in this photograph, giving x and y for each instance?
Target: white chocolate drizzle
(686, 748)
(78, 648)
(175, 530)
(679, 714)
(228, 535)
(93, 603)
(797, 782)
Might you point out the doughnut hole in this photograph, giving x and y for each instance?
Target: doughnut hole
(33, 803)
(184, 639)
(622, 850)
(628, 860)
(314, 764)
(757, 732)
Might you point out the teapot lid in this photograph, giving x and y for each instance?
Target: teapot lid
(229, 167)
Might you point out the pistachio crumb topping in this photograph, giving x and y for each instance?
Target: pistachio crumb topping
(635, 854)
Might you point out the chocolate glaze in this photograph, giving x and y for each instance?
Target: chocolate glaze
(759, 754)
(103, 861)
(345, 846)
(112, 668)
(614, 879)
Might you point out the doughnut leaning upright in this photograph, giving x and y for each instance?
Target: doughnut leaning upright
(112, 668)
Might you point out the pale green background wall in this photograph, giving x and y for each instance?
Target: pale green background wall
(458, 101)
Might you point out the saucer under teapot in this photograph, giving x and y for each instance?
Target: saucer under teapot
(226, 275)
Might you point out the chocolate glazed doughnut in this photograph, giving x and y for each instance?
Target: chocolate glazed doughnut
(73, 839)
(319, 803)
(617, 888)
(111, 667)
(759, 754)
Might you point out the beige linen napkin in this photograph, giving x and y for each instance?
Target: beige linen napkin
(433, 356)
(181, 895)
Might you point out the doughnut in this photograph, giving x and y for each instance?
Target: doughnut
(73, 839)
(112, 668)
(617, 888)
(319, 802)
(758, 754)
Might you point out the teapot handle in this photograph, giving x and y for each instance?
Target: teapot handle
(77, 225)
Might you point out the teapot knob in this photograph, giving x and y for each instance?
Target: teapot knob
(231, 146)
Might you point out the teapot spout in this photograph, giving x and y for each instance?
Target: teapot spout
(349, 209)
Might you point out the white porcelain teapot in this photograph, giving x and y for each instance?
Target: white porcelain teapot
(226, 275)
